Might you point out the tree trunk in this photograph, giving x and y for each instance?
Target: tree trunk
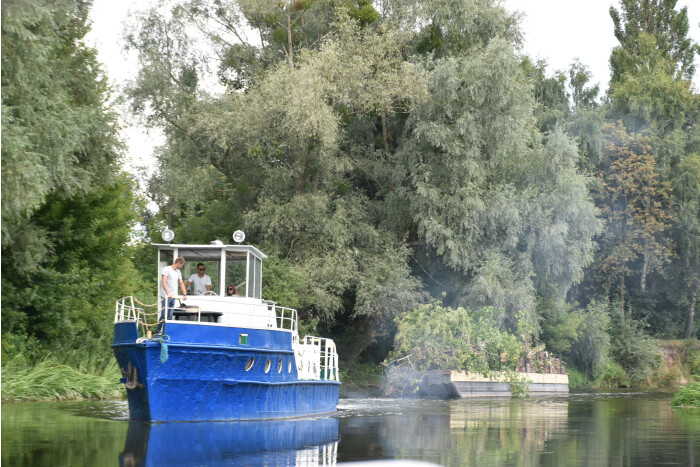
(645, 266)
(622, 293)
(290, 43)
(691, 313)
(385, 136)
(304, 175)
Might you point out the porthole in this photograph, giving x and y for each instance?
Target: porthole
(268, 364)
(279, 366)
(249, 365)
(289, 367)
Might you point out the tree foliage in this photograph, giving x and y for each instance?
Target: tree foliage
(58, 137)
(660, 19)
(439, 338)
(67, 210)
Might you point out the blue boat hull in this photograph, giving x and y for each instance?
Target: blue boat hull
(204, 377)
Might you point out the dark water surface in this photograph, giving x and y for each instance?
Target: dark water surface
(586, 429)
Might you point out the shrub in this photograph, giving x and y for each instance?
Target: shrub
(576, 379)
(610, 374)
(445, 338)
(688, 396)
(631, 347)
(593, 343)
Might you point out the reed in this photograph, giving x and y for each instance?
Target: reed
(687, 396)
(50, 379)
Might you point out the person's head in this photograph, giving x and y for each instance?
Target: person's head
(200, 269)
(231, 290)
(179, 263)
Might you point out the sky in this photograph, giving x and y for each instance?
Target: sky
(558, 31)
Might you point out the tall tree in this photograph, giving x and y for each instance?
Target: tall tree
(67, 209)
(635, 204)
(660, 19)
(651, 93)
(58, 134)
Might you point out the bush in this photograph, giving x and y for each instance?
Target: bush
(445, 338)
(577, 379)
(688, 396)
(593, 343)
(610, 374)
(631, 347)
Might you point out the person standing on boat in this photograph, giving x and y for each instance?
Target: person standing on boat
(232, 291)
(202, 282)
(170, 278)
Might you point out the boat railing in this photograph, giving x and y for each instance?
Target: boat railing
(126, 310)
(286, 317)
(317, 359)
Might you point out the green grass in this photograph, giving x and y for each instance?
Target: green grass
(50, 379)
(687, 396)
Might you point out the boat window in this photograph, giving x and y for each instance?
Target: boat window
(279, 366)
(243, 339)
(289, 367)
(236, 265)
(165, 258)
(249, 364)
(268, 364)
(211, 258)
(255, 277)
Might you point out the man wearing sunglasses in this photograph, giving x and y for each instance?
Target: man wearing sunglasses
(201, 281)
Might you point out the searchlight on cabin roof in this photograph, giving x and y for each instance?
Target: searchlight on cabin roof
(168, 235)
(238, 236)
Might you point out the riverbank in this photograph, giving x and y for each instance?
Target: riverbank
(679, 366)
(53, 380)
(50, 380)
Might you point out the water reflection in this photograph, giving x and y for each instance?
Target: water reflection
(468, 432)
(583, 429)
(302, 442)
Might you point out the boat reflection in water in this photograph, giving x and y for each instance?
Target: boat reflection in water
(300, 442)
(479, 432)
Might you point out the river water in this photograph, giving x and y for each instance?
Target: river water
(587, 429)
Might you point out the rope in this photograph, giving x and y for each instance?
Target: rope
(163, 340)
(143, 304)
(148, 325)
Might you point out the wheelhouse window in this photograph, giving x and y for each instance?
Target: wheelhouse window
(210, 258)
(236, 267)
(226, 265)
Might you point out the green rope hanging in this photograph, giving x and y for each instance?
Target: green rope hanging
(163, 340)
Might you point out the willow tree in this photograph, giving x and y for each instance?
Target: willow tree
(272, 155)
(58, 135)
(498, 214)
(390, 140)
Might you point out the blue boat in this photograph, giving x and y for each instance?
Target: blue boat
(221, 357)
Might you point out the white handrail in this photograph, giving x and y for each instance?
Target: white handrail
(317, 359)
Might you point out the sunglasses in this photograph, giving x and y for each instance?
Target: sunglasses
(202, 269)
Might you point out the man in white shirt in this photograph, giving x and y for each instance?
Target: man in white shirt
(170, 278)
(202, 282)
